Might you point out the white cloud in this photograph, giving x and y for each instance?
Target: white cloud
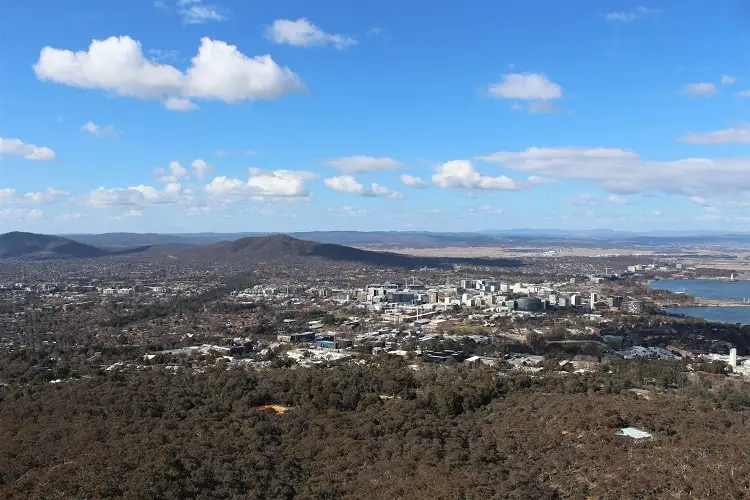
(105, 198)
(20, 214)
(49, 195)
(176, 173)
(281, 184)
(201, 168)
(378, 190)
(99, 130)
(359, 164)
(486, 210)
(734, 135)
(16, 147)
(128, 214)
(744, 93)
(699, 200)
(303, 33)
(198, 211)
(162, 55)
(116, 64)
(219, 71)
(581, 199)
(728, 80)
(69, 217)
(617, 200)
(196, 12)
(346, 184)
(461, 174)
(350, 185)
(624, 17)
(173, 103)
(526, 86)
(412, 181)
(623, 172)
(348, 211)
(631, 15)
(703, 89)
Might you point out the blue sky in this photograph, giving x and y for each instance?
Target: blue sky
(226, 115)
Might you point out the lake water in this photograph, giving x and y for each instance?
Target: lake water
(711, 289)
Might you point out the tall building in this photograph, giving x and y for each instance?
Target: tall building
(615, 301)
(592, 300)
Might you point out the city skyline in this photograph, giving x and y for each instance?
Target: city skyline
(202, 116)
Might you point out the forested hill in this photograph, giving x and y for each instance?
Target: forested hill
(19, 244)
(286, 249)
(44, 246)
(374, 432)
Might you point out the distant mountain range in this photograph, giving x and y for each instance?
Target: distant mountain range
(277, 248)
(42, 246)
(423, 239)
(285, 249)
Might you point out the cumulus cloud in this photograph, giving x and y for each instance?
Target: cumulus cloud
(734, 135)
(412, 181)
(128, 214)
(219, 71)
(359, 164)
(728, 80)
(201, 168)
(175, 173)
(196, 12)
(49, 195)
(631, 15)
(461, 174)
(348, 211)
(280, 184)
(99, 130)
(303, 33)
(486, 210)
(106, 198)
(378, 190)
(699, 200)
(581, 199)
(526, 86)
(16, 147)
(623, 172)
(173, 103)
(197, 211)
(18, 214)
(617, 200)
(350, 185)
(702, 89)
(69, 217)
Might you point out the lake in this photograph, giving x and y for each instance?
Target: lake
(711, 289)
(707, 289)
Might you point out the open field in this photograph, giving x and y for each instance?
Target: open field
(517, 252)
(729, 259)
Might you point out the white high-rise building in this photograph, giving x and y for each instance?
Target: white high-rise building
(733, 357)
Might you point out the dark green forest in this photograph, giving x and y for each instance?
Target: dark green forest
(377, 431)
